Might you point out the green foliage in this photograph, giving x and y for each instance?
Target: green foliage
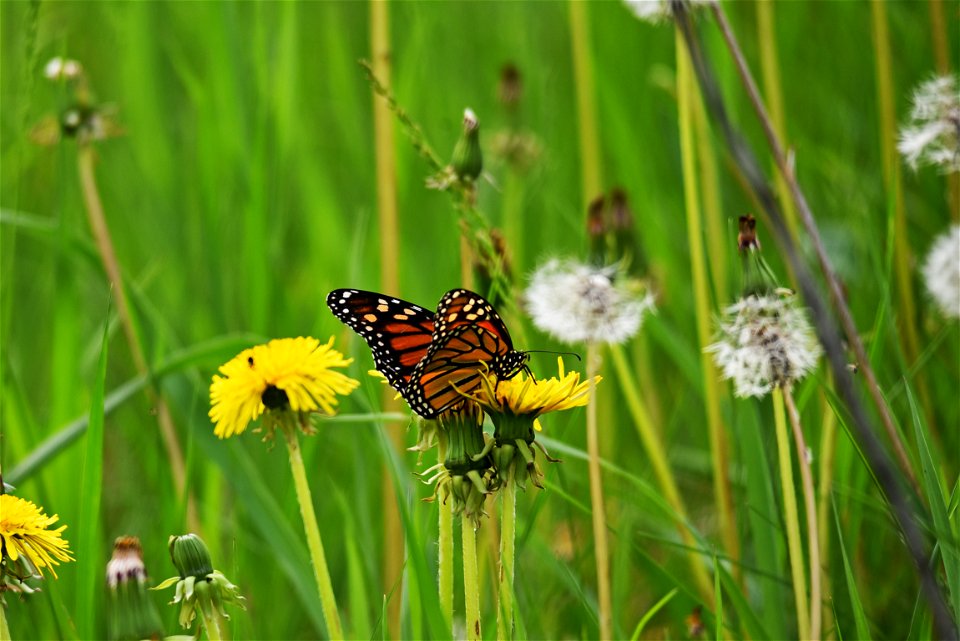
(243, 190)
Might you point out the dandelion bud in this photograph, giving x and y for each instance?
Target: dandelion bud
(758, 278)
(747, 238)
(198, 586)
(190, 556)
(511, 86)
(133, 615)
(624, 238)
(467, 157)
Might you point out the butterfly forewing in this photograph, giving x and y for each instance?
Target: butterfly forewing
(461, 307)
(398, 332)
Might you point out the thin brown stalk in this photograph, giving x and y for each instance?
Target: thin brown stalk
(86, 157)
(809, 506)
(806, 216)
(386, 164)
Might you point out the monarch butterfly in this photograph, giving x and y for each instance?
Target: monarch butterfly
(431, 359)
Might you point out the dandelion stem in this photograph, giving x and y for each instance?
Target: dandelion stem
(598, 511)
(686, 96)
(809, 500)
(790, 516)
(445, 544)
(471, 579)
(653, 446)
(211, 622)
(508, 533)
(101, 233)
(322, 575)
(4, 629)
(586, 103)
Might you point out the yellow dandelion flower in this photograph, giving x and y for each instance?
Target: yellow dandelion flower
(529, 397)
(515, 406)
(24, 533)
(292, 373)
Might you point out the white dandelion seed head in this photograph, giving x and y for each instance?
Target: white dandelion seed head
(932, 137)
(62, 68)
(658, 11)
(577, 303)
(763, 342)
(941, 272)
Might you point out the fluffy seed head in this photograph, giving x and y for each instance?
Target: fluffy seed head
(941, 272)
(932, 137)
(576, 303)
(764, 341)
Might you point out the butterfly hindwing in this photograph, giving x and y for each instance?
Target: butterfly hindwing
(398, 332)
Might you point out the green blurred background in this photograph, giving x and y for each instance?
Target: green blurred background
(244, 189)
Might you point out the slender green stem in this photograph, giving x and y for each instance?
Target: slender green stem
(211, 622)
(101, 233)
(586, 102)
(513, 219)
(471, 579)
(598, 511)
(770, 72)
(790, 516)
(653, 445)
(508, 533)
(828, 440)
(809, 506)
(324, 585)
(4, 630)
(445, 542)
(686, 96)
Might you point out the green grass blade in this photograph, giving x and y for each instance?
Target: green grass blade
(652, 612)
(90, 548)
(946, 535)
(859, 616)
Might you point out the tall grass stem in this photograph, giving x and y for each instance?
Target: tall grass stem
(471, 579)
(773, 92)
(86, 158)
(386, 172)
(4, 628)
(791, 518)
(589, 134)
(827, 451)
(319, 560)
(686, 96)
(653, 446)
(598, 511)
(809, 501)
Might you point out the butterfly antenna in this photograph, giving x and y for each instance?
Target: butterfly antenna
(547, 351)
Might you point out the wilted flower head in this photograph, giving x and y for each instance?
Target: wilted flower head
(941, 272)
(286, 373)
(133, 614)
(575, 303)
(27, 547)
(62, 68)
(658, 10)
(764, 342)
(932, 136)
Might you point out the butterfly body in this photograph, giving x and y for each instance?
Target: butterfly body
(431, 359)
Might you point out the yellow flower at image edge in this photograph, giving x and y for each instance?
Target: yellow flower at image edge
(23, 532)
(286, 372)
